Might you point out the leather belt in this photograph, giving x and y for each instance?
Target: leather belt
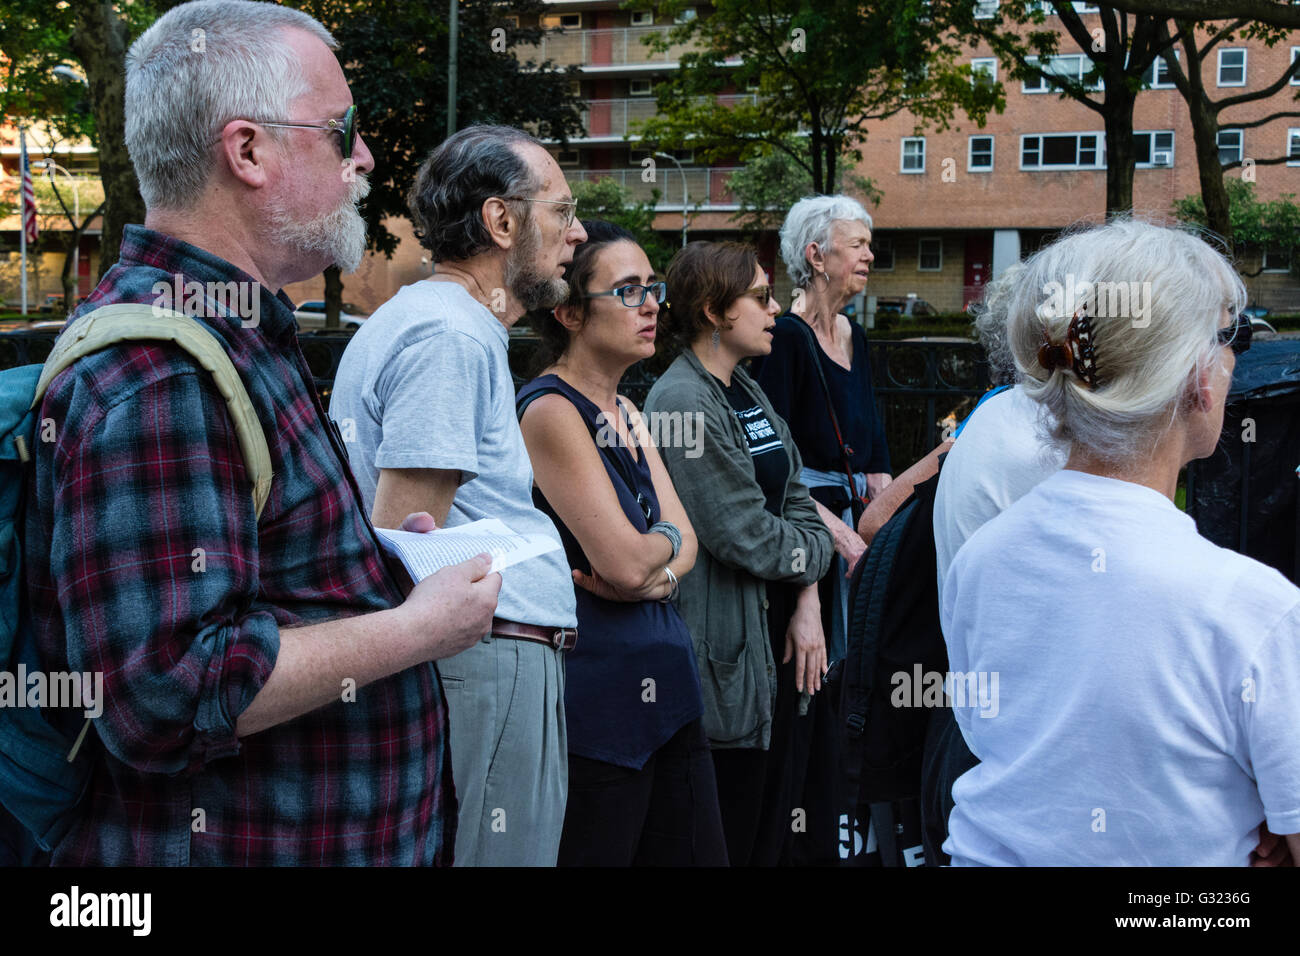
(560, 638)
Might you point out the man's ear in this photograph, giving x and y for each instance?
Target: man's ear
(245, 148)
(500, 223)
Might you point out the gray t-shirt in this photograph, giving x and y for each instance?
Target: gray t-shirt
(425, 383)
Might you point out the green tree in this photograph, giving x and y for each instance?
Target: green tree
(394, 54)
(821, 71)
(1206, 113)
(769, 184)
(1257, 226)
(607, 199)
(1120, 50)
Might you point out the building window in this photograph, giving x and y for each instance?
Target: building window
(1070, 66)
(1293, 147)
(1230, 146)
(985, 67)
(986, 9)
(639, 88)
(642, 18)
(568, 157)
(1232, 67)
(913, 154)
(1058, 151)
(1158, 76)
(512, 19)
(1295, 51)
(929, 254)
(883, 250)
(1276, 260)
(1153, 149)
(569, 21)
(980, 157)
(684, 15)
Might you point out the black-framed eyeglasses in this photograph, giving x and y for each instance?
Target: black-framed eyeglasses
(346, 126)
(1237, 336)
(763, 293)
(633, 296)
(570, 206)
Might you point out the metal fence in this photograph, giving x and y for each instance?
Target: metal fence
(921, 387)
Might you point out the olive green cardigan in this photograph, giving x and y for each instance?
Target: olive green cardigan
(742, 546)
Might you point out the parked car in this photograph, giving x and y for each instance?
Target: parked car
(311, 315)
(908, 307)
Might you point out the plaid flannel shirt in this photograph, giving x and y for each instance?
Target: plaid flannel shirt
(146, 563)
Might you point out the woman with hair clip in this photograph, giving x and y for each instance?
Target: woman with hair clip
(1130, 688)
(641, 784)
(751, 603)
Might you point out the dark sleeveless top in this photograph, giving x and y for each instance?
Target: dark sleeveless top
(613, 712)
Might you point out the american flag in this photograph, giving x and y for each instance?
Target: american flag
(29, 195)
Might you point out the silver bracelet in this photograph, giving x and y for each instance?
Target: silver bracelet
(671, 532)
(672, 580)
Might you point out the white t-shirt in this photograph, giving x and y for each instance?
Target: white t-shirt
(425, 383)
(1001, 453)
(1146, 704)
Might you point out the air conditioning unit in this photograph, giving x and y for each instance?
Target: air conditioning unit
(1162, 158)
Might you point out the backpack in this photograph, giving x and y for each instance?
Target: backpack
(894, 640)
(43, 773)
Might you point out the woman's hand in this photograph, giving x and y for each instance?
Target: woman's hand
(849, 545)
(601, 588)
(805, 641)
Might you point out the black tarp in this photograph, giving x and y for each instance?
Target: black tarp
(1244, 495)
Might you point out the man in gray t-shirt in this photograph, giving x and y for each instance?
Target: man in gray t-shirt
(425, 401)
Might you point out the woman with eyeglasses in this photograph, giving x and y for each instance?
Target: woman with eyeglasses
(1130, 689)
(641, 785)
(751, 603)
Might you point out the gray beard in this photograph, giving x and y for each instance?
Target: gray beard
(340, 234)
(532, 289)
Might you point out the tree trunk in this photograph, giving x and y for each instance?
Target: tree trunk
(1120, 156)
(333, 296)
(1205, 134)
(99, 39)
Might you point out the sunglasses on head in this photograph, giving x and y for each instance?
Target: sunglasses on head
(1237, 335)
(346, 126)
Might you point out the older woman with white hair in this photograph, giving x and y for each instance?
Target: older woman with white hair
(1129, 688)
(818, 377)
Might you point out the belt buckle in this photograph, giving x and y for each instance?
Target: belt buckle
(559, 638)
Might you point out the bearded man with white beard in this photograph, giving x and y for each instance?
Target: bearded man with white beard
(265, 702)
(425, 393)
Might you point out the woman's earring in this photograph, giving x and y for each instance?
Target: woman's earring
(823, 275)
(717, 337)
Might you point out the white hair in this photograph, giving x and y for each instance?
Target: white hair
(201, 65)
(1147, 353)
(809, 220)
(991, 323)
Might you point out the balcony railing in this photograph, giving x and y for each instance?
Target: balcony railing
(622, 46)
(706, 188)
(618, 118)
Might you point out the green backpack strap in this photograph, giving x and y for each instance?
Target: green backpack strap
(124, 322)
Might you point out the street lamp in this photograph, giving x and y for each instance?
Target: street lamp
(51, 167)
(685, 196)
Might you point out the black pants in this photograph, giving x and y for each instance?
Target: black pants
(778, 805)
(665, 814)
